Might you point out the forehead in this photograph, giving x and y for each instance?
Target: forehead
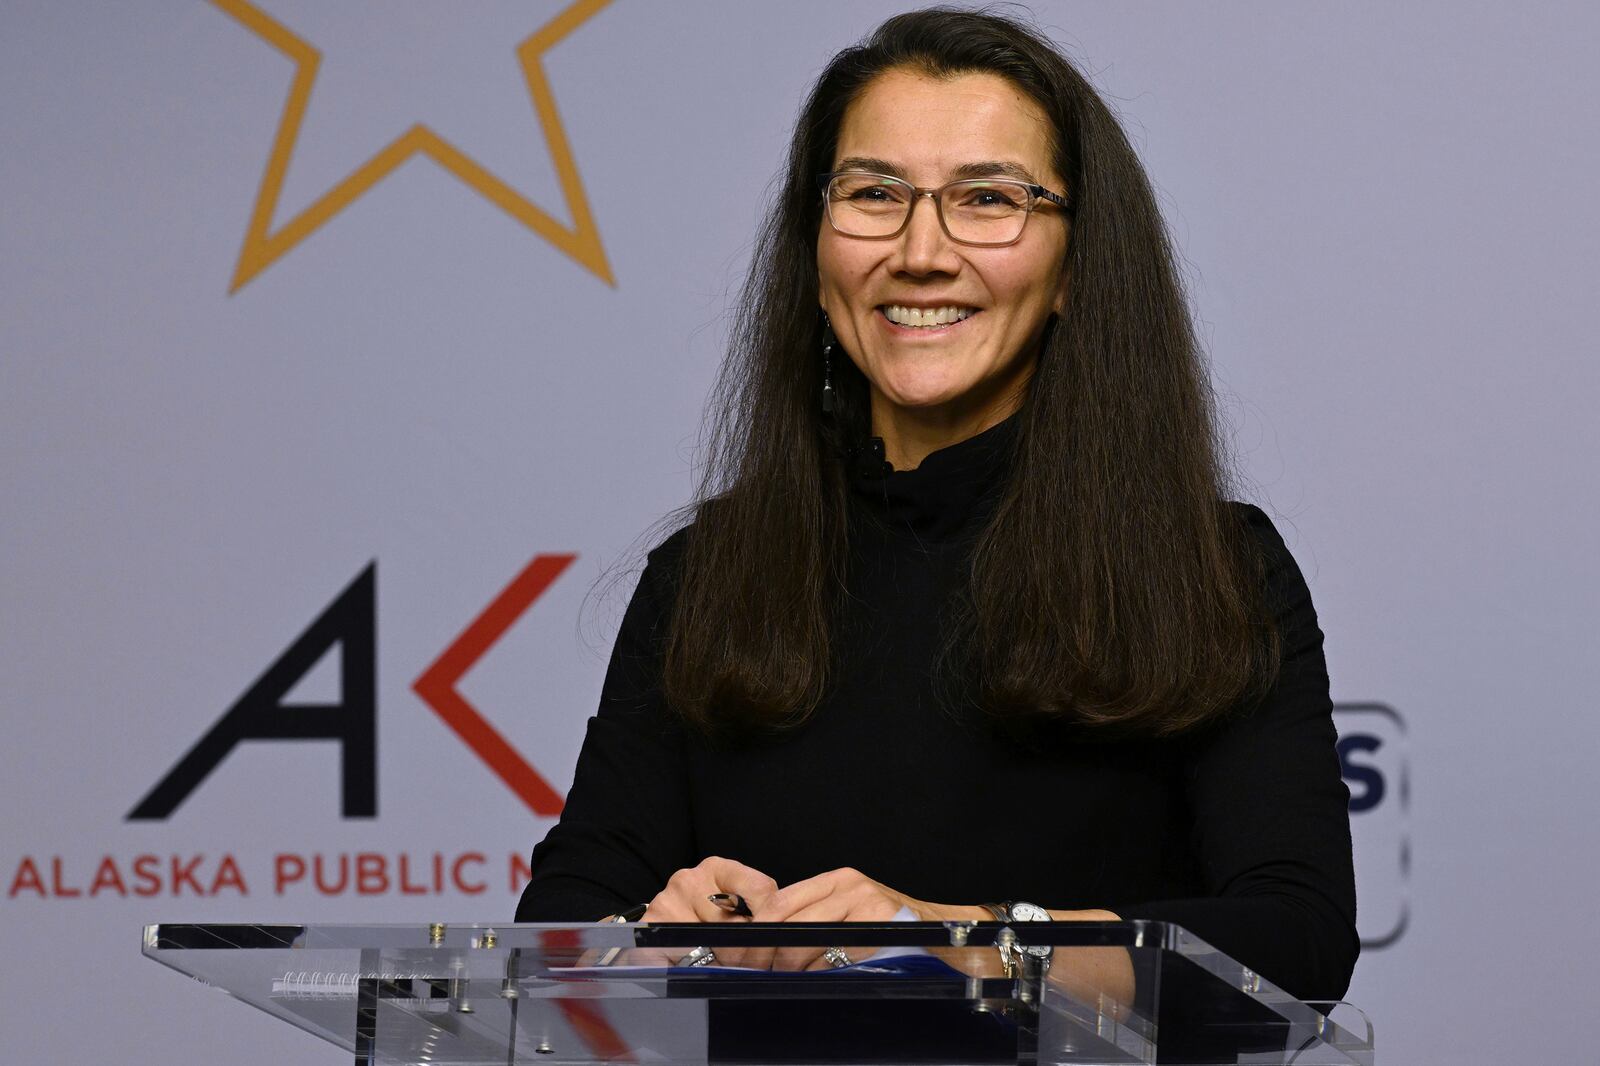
(929, 126)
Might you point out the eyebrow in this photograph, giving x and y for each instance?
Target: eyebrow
(989, 168)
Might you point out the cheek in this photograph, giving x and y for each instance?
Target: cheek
(842, 266)
(829, 268)
(1028, 291)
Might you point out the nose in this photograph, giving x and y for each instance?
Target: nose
(924, 247)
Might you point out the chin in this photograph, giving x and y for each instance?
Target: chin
(924, 395)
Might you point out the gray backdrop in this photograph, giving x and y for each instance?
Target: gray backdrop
(1388, 222)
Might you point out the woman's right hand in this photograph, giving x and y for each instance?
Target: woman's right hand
(687, 895)
(687, 898)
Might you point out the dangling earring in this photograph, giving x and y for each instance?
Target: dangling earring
(828, 341)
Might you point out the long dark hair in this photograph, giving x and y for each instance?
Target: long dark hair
(1112, 587)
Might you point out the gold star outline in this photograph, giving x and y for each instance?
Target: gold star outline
(262, 247)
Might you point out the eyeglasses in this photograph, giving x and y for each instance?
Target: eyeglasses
(986, 212)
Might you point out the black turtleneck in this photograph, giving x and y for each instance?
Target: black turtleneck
(1239, 833)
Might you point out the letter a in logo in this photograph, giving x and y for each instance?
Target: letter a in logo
(260, 714)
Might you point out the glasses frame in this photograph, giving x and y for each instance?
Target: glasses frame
(1035, 194)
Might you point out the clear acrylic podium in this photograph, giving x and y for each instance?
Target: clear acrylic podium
(915, 992)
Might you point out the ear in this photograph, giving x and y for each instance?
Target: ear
(1059, 304)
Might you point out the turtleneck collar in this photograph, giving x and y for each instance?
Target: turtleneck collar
(946, 493)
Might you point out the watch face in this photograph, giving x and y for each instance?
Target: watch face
(1027, 912)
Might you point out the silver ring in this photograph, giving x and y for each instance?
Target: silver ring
(836, 957)
(700, 956)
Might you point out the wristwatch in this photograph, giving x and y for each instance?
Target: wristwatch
(1011, 953)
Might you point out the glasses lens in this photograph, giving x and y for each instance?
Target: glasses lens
(985, 212)
(867, 205)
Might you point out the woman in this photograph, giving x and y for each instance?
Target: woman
(962, 616)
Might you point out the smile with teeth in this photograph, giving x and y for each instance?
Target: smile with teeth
(927, 317)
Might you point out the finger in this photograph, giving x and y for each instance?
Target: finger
(749, 957)
(783, 904)
(689, 892)
(758, 889)
(832, 908)
(791, 900)
(687, 898)
(669, 906)
(730, 875)
(840, 907)
(653, 957)
(857, 900)
(672, 905)
(753, 957)
(758, 958)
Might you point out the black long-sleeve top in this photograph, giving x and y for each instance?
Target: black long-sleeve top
(1238, 832)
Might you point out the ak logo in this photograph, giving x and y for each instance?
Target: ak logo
(350, 622)
(1372, 759)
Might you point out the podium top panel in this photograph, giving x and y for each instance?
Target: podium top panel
(537, 937)
(893, 992)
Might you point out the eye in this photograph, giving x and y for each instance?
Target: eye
(866, 192)
(872, 194)
(992, 197)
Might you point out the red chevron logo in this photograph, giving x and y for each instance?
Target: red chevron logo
(437, 685)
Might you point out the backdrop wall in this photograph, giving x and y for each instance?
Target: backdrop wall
(383, 330)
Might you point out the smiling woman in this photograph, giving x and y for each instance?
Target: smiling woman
(963, 615)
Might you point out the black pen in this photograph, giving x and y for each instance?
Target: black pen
(732, 903)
